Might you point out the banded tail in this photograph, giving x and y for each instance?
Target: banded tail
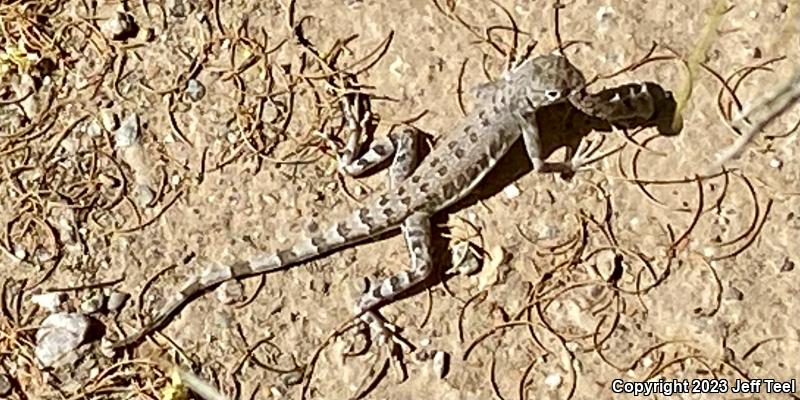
(363, 224)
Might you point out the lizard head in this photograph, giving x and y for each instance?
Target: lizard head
(547, 79)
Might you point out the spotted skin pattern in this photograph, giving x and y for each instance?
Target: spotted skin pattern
(505, 111)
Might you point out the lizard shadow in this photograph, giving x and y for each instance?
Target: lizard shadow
(560, 125)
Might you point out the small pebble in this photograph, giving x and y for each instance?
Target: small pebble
(29, 104)
(606, 18)
(175, 179)
(788, 265)
(109, 120)
(572, 346)
(42, 255)
(775, 163)
(292, 378)
(195, 90)
(733, 294)
(93, 303)
(511, 191)
(276, 392)
(20, 253)
(553, 380)
(147, 35)
(647, 362)
(232, 137)
(49, 301)
(58, 336)
(128, 134)
(94, 129)
(5, 385)
(144, 195)
(545, 231)
(105, 347)
(116, 300)
(119, 27)
(230, 292)
(441, 361)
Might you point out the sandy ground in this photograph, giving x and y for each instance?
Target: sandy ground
(589, 287)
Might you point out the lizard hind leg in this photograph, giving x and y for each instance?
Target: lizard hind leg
(415, 229)
(417, 233)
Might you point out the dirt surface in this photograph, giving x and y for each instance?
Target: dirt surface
(583, 282)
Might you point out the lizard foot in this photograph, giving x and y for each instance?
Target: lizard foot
(581, 157)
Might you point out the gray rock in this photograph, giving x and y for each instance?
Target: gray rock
(58, 337)
(116, 300)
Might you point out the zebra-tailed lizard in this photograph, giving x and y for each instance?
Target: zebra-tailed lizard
(505, 111)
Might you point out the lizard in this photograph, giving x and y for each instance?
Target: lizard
(505, 110)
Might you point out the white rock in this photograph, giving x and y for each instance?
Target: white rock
(49, 301)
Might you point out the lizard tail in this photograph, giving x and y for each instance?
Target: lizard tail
(361, 225)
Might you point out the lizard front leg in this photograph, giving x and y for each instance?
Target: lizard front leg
(533, 146)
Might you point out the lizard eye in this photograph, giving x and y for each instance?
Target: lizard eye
(552, 94)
